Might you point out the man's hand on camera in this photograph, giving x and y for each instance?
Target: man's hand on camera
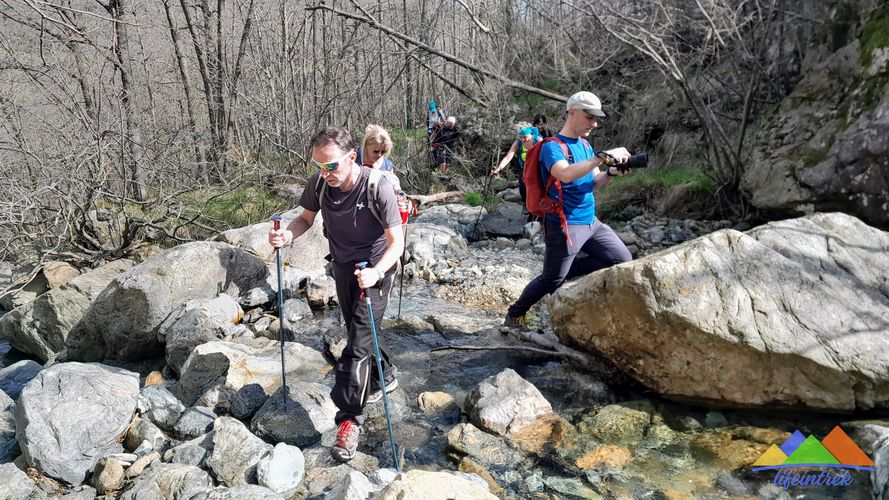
(619, 154)
(280, 238)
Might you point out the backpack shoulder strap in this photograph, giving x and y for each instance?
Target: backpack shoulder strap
(373, 194)
(320, 189)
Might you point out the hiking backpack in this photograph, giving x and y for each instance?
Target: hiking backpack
(537, 198)
(373, 188)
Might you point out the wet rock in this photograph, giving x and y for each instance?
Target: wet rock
(282, 470)
(486, 448)
(468, 466)
(196, 322)
(435, 402)
(160, 406)
(236, 452)
(234, 364)
(571, 487)
(433, 486)
(122, 322)
(730, 318)
(545, 433)
(619, 423)
(310, 412)
(715, 419)
(506, 403)
(71, 414)
(14, 377)
(169, 481)
(607, 456)
(731, 484)
(728, 448)
(195, 421)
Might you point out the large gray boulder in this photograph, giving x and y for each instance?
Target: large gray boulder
(15, 484)
(41, 327)
(792, 313)
(826, 145)
(229, 366)
(307, 252)
(72, 414)
(459, 218)
(123, 322)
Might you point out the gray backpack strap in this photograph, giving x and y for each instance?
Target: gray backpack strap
(373, 191)
(320, 189)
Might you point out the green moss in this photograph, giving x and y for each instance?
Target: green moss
(875, 34)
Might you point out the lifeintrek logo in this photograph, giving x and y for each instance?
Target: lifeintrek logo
(804, 461)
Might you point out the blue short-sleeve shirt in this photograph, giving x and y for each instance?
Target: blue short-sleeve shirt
(577, 196)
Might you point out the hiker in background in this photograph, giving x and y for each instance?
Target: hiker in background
(355, 234)
(375, 148)
(539, 122)
(434, 122)
(434, 119)
(446, 138)
(578, 171)
(526, 140)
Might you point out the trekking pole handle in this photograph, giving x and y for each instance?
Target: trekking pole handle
(276, 220)
(361, 266)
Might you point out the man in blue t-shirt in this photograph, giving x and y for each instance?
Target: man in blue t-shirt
(579, 174)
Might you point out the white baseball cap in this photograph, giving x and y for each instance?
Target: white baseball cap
(452, 119)
(588, 102)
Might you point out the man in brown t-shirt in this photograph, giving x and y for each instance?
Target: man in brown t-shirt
(355, 234)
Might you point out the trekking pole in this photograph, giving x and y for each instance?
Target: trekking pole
(277, 222)
(475, 231)
(404, 210)
(373, 329)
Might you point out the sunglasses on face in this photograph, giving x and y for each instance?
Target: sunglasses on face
(330, 167)
(378, 151)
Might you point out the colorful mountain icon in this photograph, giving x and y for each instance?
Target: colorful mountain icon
(772, 456)
(844, 449)
(811, 452)
(793, 442)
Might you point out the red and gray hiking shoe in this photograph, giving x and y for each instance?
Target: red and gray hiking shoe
(346, 440)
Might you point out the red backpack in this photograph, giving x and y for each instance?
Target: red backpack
(537, 200)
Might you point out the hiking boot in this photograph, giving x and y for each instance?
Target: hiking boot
(511, 322)
(377, 394)
(346, 440)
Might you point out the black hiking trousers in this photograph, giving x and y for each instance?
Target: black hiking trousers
(356, 370)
